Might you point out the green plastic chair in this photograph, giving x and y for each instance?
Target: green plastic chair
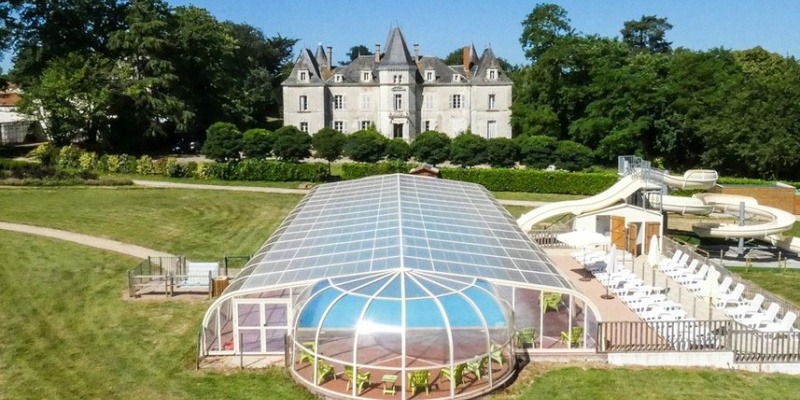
(323, 371)
(551, 300)
(476, 367)
(307, 353)
(418, 380)
(362, 379)
(458, 374)
(574, 337)
(525, 337)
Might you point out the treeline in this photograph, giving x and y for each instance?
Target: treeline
(130, 75)
(734, 111)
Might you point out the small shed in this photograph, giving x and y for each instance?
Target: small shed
(628, 226)
(425, 170)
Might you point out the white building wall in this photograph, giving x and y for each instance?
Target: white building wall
(314, 116)
(360, 104)
(451, 121)
(500, 114)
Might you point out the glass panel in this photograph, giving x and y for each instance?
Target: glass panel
(275, 339)
(251, 340)
(249, 314)
(345, 312)
(423, 313)
(275, 314)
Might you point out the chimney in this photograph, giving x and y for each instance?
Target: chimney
(330, 57)
(416, 52)
(465, 60)
(377, 53)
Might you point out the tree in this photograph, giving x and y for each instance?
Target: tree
(365, 146)
(537, 151)
(572, 156)
(291, 144)
(398, 149)
(257, 143)
(647, 34)
(501, 152)
(431, 147)
(468, 150)
(543, 28)
(355, 51)
(328, 144)
(223, 142)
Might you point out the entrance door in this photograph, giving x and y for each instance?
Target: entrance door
(618, 231)
(633, 234)
(651, 229)
(260, 326)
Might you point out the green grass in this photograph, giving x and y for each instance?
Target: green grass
(653, 383)
(795, 231)
(68, 334)
(285, 185)
(517, 211)
(783, 282)
(197, 223)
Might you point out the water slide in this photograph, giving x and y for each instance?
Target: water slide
(775, 220)
(628, 185)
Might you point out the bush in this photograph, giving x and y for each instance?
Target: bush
(113, 163)
(127, 164)
(468, 150)
(533, 181)
(502, 152)
(225, 171)
(290, 144)
(45, 153)
(361, 170)
(276, 171)
(69, 157)
(223, 142)
(202, 171)
(573, 156)
(398, 150)
(87, 161)
(145, 166)
(431, 147)
(257, 143)
(191, 169)
(328, 144)
(174, 169)
(538, 151)
(365, 146)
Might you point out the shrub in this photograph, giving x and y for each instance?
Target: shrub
(328, 144)
(276, 171)
(145, 165)
(223, 142)
(398, 150)
(502, 152)
(127, 164)
(291, 144)
(533, 181)
(468, 150)
(572, 156)
(257, 143)
(87, 161)
(113, 163)
(365, 146)
(69, 157)
(174, 169)
(361, 170)
(538, 151)
(191, 168)
(202, 171)
(45, 153)
(220, 170)
(431, 147)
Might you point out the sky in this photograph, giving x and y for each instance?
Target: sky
(439, 26)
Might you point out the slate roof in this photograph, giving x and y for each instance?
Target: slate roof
(396, 53)
(306, 61)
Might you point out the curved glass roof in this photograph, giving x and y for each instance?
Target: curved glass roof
(387, 222)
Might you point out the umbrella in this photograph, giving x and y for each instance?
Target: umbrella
(654, 255)
(611, 267)
(582, 239)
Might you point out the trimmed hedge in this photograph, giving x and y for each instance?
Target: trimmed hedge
(533, 181)
(361, 170)
(266, 170)
(102, 181)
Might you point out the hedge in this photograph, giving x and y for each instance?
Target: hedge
(533, 181)
(266, 170)
(361, 170)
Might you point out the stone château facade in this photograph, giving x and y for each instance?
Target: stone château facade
(400, 94)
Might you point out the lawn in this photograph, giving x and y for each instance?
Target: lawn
(199, 181)
(199, 224)
(783, 282)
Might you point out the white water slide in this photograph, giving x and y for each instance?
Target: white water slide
(628, 185)
(774, 220)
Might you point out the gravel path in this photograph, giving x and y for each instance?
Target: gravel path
(86, 240)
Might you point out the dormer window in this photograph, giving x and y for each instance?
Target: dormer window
(491, 74)
(338, 78)
(457, 78)
(366, 76)
(302, 76)
(398, 79)
(430, 76)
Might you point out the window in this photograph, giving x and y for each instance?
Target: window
(303, 76)
(398, 79)
(491, 102)
(339, 102)
(427, 126)
(455, 101)
(398, 131)
(491, 129)
(365, 125)
(398, 102)
(457, 77)
(365, 102)
(429, 76)
(337, 78)
(428, 100)
(304, 126)
(366, 76)
(303, 104)
(338, 126)
(491, 74)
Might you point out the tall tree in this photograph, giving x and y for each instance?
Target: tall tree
(543, 28)
(357, 50)
(647, 34)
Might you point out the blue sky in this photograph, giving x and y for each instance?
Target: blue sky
(441, 26)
